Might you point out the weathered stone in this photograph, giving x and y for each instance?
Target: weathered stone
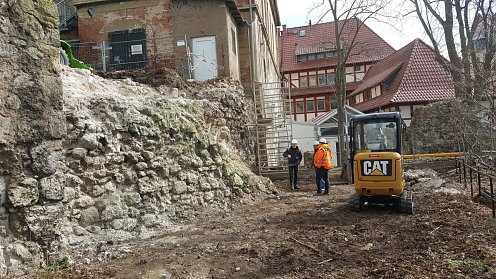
(141, 166)
(24, 193)
(133, 157)
(127, 224)
(45, 160)
(111, 212)
(78, 230)
(149, 220)
(150, 184)
(89, 216)
(132, 198)
(100, 173)
(130, 176)
(179, 187)
(52, 187)
(79, 153)
(90, 141)
(44, 222)
(69, 194)
(148, 155)
(84, 202)
(236, 180)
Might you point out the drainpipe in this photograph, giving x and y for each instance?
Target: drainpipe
(252, 50)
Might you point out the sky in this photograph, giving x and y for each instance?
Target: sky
(295, 13)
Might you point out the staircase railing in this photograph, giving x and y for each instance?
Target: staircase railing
(66, 12)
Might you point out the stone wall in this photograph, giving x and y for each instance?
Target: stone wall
(31, 118)
(105, 159)
(448, 126)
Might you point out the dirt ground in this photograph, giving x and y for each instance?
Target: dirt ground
(298, 235)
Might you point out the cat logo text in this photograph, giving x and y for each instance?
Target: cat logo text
(376, 167)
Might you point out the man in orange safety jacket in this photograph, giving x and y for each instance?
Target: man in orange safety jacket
(322, 163)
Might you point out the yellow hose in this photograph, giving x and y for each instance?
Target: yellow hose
(445, 154)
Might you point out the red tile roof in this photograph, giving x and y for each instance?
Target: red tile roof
(368, 47)
(417, 77)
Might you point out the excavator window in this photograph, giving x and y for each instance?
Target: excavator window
(375, 135)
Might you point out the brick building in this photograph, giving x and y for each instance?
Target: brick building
(201, 39)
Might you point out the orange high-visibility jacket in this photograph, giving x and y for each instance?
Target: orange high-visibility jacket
(322, 156)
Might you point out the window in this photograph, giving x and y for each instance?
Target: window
(302, 33)
(352, 101)
(300, 107)
(334, 102)
(331, 54)
(321, 105)
(350, 77)
(331, 131)
(368, 95)
(233, 38)
(303, 81)
(312, 82)
(287, 107)
(384, 88)
(311, 56)
(301, 58)
(321, 79)
(320, 55)
(330, 79)
(310, 106)
(358, 68)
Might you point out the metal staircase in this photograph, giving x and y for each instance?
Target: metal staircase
(273, 126)
(66, 13)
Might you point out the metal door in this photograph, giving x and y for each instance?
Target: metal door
(128, 49)
(204, 58)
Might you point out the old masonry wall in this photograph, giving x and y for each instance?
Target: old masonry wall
(84, 159)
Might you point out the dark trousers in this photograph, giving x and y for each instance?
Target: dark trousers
(322, 174)
(293, 176)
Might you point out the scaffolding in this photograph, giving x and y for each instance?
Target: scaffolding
(273, 126)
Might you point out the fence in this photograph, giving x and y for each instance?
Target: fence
(483, 180)
(133, 54)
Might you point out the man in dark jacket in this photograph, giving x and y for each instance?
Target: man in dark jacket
(294, 158)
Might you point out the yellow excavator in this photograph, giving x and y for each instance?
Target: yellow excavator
(377, 166)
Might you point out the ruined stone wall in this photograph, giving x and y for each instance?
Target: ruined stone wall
(105, 159)
(448, 126)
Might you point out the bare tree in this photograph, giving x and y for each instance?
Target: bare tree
(349, 17)
(466, 28)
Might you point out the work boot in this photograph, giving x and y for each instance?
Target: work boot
(297, 188)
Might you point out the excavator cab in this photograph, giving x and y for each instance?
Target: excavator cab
(377, 166)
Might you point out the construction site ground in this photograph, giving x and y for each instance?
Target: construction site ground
(295, 234)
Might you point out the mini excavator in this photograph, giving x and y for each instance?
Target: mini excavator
(377, 166)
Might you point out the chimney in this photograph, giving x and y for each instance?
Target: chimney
(284, 28)
(309, 22)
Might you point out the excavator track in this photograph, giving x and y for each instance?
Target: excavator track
(406, 202)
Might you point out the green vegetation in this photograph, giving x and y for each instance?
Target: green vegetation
(491, 224)
(60, 264)
(470, 264)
